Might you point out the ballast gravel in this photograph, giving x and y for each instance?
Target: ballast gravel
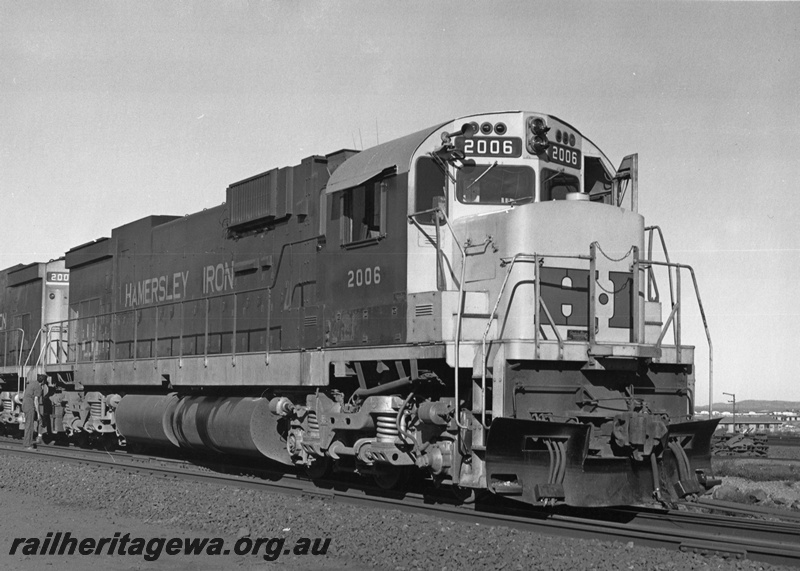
(382, 539)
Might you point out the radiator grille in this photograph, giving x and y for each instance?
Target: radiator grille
(423, 310)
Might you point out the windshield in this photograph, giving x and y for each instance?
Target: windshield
(494, 184)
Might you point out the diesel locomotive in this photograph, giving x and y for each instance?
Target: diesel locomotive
(479, 303)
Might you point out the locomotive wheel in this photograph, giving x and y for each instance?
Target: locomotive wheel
(391, 478)
(320, 468)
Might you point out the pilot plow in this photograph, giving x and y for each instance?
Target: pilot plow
(550, 462)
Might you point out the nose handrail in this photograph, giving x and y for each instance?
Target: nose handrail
(537, 260)
(675, 315)
(674, 319)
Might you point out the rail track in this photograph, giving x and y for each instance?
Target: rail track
(790, 441)
(745, 536)
(758, 460)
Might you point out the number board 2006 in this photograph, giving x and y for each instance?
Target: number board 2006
(491, 146)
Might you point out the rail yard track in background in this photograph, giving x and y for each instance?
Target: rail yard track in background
(765, 540)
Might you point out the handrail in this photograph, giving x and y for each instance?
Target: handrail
(676, 310)
(459, 316)
(651, 276)
(435, 241)
(555, 329)
(650, 231)
(486, 334)
(462, 251)
(20, 338)
(42, 352)
(22, 370)
(159, 307)
(55, 344)
(510, 262)
(674, 316)
(135, 311)
(269, 289)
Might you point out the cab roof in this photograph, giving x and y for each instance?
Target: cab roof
(392, 157)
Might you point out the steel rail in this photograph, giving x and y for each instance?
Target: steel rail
(740, 527)
(761, 460)
(673, 532)
(731, 507)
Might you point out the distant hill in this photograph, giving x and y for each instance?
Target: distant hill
(765, 406)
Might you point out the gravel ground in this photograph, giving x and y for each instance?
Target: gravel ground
(365, 538)
(781, 494)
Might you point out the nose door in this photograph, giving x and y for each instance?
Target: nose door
(611, 294)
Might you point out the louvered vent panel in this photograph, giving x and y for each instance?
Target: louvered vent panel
(424, 310)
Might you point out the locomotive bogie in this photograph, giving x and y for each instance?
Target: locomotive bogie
(379, 433)
(101, 412)
(11, 415)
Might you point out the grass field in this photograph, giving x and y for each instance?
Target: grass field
(790, 452)
(761, 469)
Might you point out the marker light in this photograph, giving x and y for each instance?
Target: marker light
(566, 138)
(486, 128)
(500, 128)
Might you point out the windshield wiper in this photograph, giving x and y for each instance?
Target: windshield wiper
(483, 174)
(556, 174)
(520, 200)
(442, 166)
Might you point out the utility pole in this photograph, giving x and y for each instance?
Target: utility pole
(733, 396)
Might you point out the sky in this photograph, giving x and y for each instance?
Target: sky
(112, 111)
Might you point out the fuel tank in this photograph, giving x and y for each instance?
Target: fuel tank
(241, 426)
(145, 419)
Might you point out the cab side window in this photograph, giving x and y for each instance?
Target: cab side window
(362, 213)
(596, 180)
(431, 188)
